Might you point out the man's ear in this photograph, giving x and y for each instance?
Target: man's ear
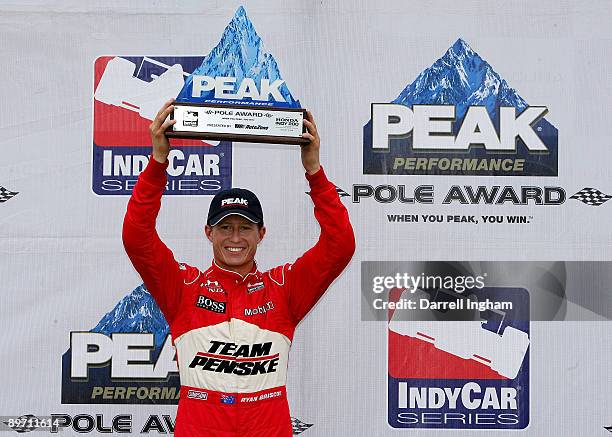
(208, 232)
(262, 233)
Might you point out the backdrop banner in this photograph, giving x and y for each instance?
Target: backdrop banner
(468, 141)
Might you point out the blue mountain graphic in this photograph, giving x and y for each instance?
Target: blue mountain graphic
(239, 54)
(463, 79)
(137, 312)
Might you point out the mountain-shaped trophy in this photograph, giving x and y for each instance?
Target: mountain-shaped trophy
(237, 94)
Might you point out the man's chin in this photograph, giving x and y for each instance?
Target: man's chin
(235, 261)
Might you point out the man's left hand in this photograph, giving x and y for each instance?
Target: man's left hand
(310, 151)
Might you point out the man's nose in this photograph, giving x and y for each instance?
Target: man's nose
(235, 235)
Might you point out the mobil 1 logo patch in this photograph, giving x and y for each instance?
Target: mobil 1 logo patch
(208, 303)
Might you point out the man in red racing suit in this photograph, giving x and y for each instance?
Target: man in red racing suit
(231, 324)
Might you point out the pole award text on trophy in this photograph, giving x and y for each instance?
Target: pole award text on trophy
(244, 123)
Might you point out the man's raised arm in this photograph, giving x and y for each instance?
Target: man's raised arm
(149, 255)
(313, 272)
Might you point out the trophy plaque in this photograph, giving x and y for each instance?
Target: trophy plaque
(244, 123)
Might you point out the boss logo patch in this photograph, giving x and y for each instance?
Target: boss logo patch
(209, 304)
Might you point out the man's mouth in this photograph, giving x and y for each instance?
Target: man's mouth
(234, 249)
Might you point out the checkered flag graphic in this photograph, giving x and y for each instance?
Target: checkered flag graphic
(6, 194)
(591, 196)
(23, 426)
(341, 192)
(299, 426)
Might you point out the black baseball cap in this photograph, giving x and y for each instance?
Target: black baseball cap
(235, 201)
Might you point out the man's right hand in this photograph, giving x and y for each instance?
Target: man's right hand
(157, 129)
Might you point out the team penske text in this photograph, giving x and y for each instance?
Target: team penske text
(242, 359)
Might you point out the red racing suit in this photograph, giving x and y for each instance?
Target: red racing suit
(232, 333)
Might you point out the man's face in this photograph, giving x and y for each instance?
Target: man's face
(234, 241)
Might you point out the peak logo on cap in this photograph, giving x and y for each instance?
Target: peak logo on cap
(234, 201)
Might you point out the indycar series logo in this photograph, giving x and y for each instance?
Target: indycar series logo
(468, 374)
(128, 93)
(459, 117)
(129, 90)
